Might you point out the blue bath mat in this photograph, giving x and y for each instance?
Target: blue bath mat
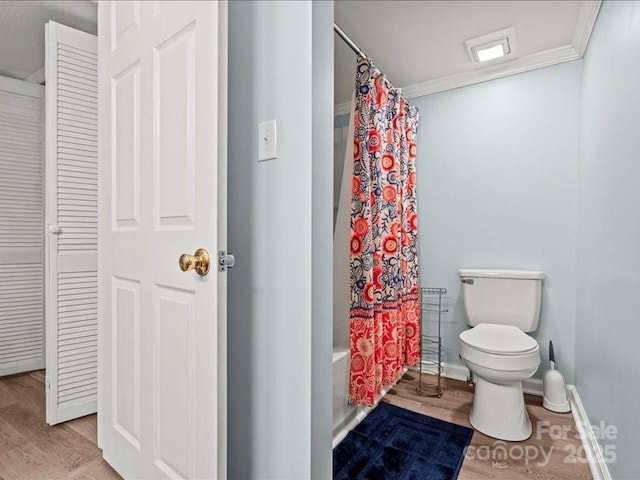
(394, 443)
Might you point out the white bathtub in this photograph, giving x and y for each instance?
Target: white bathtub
(343, 413)
(345, 416)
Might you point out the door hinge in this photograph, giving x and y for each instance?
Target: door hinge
(225, 260)
(48, 384)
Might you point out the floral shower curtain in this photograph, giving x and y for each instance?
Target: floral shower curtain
(384, 322)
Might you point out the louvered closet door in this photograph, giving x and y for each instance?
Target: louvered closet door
(72, 216)
(21, 227)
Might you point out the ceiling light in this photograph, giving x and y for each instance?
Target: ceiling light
(489, 53)
(494, 46)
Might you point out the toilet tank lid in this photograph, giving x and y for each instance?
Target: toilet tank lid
(500, 273)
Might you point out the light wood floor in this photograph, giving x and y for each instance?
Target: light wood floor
(31, 450)
(558, 441)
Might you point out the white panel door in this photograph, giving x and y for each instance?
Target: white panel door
(71, 283)
(21, 227)
(162, 189)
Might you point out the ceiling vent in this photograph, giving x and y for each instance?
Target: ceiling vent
(492, 47)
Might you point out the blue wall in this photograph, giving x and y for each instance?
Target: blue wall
(279, 295)
(497, 187)
(541, 170)
(608, 328)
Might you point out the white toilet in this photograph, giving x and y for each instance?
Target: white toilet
(501, 306)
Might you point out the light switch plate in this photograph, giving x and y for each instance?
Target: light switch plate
(267, 144)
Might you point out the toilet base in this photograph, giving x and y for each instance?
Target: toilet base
(499, 410)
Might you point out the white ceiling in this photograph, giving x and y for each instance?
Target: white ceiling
(419, 45)
(22, 31)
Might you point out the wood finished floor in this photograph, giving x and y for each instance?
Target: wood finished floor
(32, 450)
(559, 443)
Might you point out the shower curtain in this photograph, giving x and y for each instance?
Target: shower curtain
(384, 324)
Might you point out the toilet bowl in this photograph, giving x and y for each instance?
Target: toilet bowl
(499, 357)
(501, 306)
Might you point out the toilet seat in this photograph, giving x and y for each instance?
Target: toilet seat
(498, 340)
(503, 349)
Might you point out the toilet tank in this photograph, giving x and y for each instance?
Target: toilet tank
(505, 297)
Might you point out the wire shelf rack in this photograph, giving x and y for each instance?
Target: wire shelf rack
(430, 366)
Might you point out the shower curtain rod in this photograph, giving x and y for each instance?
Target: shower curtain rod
(350, 43)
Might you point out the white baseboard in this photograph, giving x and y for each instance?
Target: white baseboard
(592, 449)
(455, 371)
(533, 386)
(22, 367)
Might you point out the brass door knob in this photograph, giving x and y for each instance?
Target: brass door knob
(198, 262)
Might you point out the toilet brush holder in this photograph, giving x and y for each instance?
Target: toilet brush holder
(554, 388)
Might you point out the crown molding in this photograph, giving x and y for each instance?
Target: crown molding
(546, 58)
(584, 27)
(21, 87)
(36, 77)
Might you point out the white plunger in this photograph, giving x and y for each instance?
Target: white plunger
(554, 387)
